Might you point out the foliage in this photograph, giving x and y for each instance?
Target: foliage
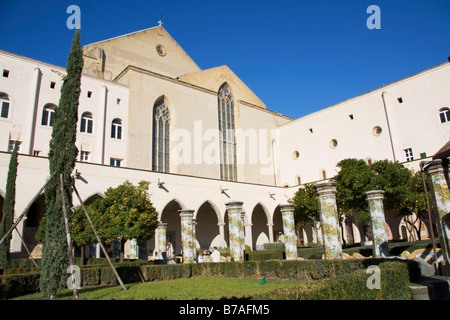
(306, 205)
(353, 286)
(353, 180)
(80, 229)
(8, 207)
(13, 285)
(280, 246)
(265, 255)
(356, 177)
(62, 156)
(414, 205)
(125, 213)
(394, 179)
(345, 277)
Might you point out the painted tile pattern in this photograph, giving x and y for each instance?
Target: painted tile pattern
(287, 213)
(235, 226)
(379, 231)
(329, 219)
(187, 235)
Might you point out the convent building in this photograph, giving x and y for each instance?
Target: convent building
(203, 138)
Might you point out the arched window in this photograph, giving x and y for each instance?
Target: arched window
(161, 136)
(444, 115)
(228, 168)
(87, 122)
(48, 115)
(116, 129)
(4, 105)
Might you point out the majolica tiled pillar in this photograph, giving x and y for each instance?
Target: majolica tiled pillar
(376, 209)
(330, 220)
(442, 201)
(290, 243)
(162, 242)
(234, 209)
(242, 233)
(194, 238)
(187, 235)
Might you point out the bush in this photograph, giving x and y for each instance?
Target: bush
(265, 255)
(394, 286)
(23, 263)
(275, 246)
(18, 284)
(310, 252)
(348, 275)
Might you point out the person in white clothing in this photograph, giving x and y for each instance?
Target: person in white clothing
(215, 255)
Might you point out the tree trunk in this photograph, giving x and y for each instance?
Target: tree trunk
(82, 255)
(122, 248)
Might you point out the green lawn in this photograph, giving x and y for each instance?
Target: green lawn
(178, 289)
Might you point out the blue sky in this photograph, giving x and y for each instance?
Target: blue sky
(297, 56)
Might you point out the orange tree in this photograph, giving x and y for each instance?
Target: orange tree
(125, 213)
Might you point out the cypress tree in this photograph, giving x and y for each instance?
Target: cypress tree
(62, 156)
(8, 207)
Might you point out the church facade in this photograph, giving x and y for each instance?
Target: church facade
(203, 138)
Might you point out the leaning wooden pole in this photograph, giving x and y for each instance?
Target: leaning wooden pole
(25, 211)
(26, 248)
(69, 241)
(98, 239)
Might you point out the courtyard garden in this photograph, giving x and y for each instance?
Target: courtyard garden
(265, 275)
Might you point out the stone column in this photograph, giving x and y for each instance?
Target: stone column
(162, 239)
(234, 209)
(222, 234)
(442, 202)
(330, 221)
(378, 222)
(242, 233)
(290, 243)
(194, 238)
(187, 236)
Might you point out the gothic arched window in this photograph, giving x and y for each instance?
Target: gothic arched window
(228, 168)
(161, 138)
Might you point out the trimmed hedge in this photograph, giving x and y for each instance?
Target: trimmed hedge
(92, 275)
(394, 286)
(265, 255)
(14, 285)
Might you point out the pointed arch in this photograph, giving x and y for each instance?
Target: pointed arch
(170, 215)
(277, 221)
(93, 197)
(161, 136)
(225, 103)
(260, 226)
(207, 228)
(33, 220)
